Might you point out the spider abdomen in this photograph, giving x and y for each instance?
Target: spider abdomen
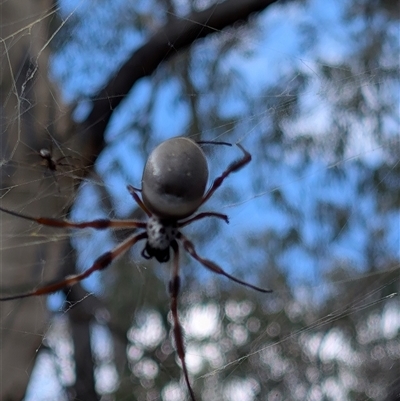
(175, 178)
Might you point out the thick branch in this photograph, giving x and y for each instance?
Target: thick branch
(176, 35)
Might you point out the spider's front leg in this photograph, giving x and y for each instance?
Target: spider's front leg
(99, 224)
(174, 287)
(99, 264)
(190, 249)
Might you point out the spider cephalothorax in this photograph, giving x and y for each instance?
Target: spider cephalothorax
(173, 188)
(160, 234)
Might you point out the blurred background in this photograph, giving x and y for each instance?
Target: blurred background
(311, 90)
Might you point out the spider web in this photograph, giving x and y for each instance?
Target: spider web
(315, 216)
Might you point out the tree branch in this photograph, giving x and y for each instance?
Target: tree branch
(178, 34)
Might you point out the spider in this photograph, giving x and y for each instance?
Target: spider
(49, 161)
(53, 164)
(173, 188)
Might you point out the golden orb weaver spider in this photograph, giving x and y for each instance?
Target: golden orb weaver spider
(173, 188)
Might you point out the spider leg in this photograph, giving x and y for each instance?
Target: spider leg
(53, 174)
(99, 264)
(189, 248)
(58, 161)
(201, 216)
(213, 143)
(132, 190)
(174, 286)
(99, 224)
(235, 166)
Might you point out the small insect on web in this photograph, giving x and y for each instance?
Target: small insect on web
(52, 164)
(173, 188)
